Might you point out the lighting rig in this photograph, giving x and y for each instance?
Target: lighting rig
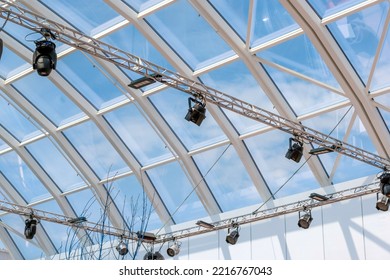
(45, 57)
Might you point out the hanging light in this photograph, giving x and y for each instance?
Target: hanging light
(295, 150)
(233, 234)
(122, 248)
(153, 256)
(305, 219)
(385, 183)
(44, 57)
(197, 112)
(382, 202)
(30, 227)
(174, 248)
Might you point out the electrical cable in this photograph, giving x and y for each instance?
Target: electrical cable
(300, 167)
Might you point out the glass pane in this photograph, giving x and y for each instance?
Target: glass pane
(353, 32)
(177, 193)
(189, 35)
(14, 122)
(282, 175)
(381, 78)
(55, 165)
(11, 63)
(96, 150)
(173, 107)
(92, 84)
(235, 79)
(22, 178)
(386, 117)
(326, 8)
(138, 135)
(48, 98)
(227, 178)
(140, 5)
(132, 202)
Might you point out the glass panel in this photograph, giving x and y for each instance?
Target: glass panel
(353, 32)
(55, 165)
(48, 98)
(227, 178)
(386, 118)
(269, 150)
(138, 135)
(302, 96)
(235, 79)
(93, 85)
(270, 20)
(128, 195)
(22, 178)
(381, 77)
(3, 145)
(177, 193)
(189, 35)
(84, 14)
(326, 8)
(140, 5)
(12, 120)
(27, 249)
(173, 106)
(384, 100)
(10, 62)
(96, 150)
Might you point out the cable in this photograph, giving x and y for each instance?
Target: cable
(300, 167)
(201, 180)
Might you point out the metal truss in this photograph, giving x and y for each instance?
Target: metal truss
(78, 40)
(255, 216)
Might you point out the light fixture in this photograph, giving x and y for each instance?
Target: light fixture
(318, 197)
(147, 236)
(145, 81)
(44, 57)
(233, 234)
(30, 228)
(122, 248)
(153, 256)
(197, 112)
(295, 150)
(382, 202)
(204, 224)
(322, 150)
(385, 183)
(305, 219)
(174, 248)
(1, 47)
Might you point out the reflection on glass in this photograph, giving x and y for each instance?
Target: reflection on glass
(326, 8)
(22, 178)
(10, 62)
(381, 77)
(227, 177)
(96, 150)
(177, 193)
(141, 5)
(138, 135)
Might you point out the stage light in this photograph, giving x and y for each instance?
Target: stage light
(385, 184)
(318, 197)
(305, 219)
(382, 202)
(197, 112)
(204, 224)
(295, 150)
(1, 47)
(30, 228)
(233, 234)
(145, 81)
(174, 249)
(156, 256)
(147, 236)
(44, 57)
(122, 248)
(322, 150)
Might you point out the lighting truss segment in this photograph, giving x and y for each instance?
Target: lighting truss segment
(80, 41)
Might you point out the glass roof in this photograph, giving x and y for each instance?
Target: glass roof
(71, 140)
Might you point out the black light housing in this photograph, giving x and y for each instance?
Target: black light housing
(318, 197)
(205, 224)
(1, 47)
(305, 219)
(322, 150)
(197, 112)
(233, 234)
(385, 184)
(44, 57)
(145, 81)
(122, 248)
(295, 150)
(147, 236)
(156, 256)
(382, 202)
(30, 228)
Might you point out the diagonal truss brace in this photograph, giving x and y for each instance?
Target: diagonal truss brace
(198, 90)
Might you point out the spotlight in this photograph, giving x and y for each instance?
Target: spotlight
(196, 113)
(385, 184)
(44, 57)
(318, 197)
(204, 224)
(174, 249)
(323, 150)
(30, 228)
(382, 203)
(150, 256)
(1, 47)
(305, 219)
(147, 236)
(145, 81)
(233, 234)
(295, 150)
(122, 248)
